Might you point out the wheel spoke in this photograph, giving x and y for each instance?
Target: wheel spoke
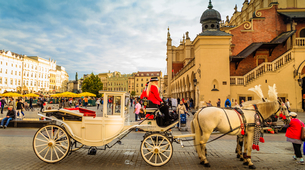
(152, 141)
(148, 153)
(61, 136)
(164, 155)
(161, 142)
(165, 150)
(149, 144)
(43, 149)
(151, 157)
(56, 152)
(43, 136)
(46, 153)
(56, 134)
(47, 132)
(157, 140)
(41, 140)
(59, 150)
(156, 158)
(40, 145)
(51, 153)
(52, 133)
(164, 145)
(160, 158)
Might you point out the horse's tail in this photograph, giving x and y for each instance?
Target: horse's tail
(196, 129)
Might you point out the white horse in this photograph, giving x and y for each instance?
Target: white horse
(229, 121)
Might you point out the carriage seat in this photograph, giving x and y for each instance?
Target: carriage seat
(85, 112)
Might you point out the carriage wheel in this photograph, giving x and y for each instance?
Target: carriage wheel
(51, 143)
(74, 145)
(156, 150)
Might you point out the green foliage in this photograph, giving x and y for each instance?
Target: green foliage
(92, 84)
(133, 93)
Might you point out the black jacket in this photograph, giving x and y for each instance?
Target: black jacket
(3, 102)
(19, 105)
(11, 113)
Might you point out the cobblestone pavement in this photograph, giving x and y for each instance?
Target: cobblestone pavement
(17, 153)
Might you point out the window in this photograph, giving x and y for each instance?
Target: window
(12, 65)
(19, 73)
(34, 83)
(12, 72)
(15, 82)
(146, 79)
(224, 83)
(142, 74)
(157, 74)
(5, 81)
(137, 79)
(141, 79)
(6, 63)
(27, 83)
(16, 73)
(147, 74)
(5, 71)
(16, 65)
(141, 85)
(19, 82)
(11, 81)
(0, 70)
(19, 66)
(0, 77)
(31, 83)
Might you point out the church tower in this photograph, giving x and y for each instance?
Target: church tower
(212, 58)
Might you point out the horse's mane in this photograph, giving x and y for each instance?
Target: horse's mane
(248, 104)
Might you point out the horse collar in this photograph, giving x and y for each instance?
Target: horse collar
(257, 112)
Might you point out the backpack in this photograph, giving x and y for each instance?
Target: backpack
(227, 103)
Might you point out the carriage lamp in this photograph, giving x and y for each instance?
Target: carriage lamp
(195, 81)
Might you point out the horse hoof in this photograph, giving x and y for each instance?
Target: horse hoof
(238, 156)
(246, 163)
(241, 159)
(207, 165)
(252, 167)
(202, 163)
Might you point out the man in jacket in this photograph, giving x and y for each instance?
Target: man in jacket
(31, 103)
(9, 116)
(3, 103)
(228, 103)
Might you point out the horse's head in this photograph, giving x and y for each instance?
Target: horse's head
(283, 113)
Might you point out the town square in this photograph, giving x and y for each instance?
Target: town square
(203, 84)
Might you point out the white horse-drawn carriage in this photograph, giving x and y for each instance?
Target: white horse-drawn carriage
(75, 128)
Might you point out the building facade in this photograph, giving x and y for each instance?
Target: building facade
(141, 78)
(118, 82)
(262, 44)
(26, 74)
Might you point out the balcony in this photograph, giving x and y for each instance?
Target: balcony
(300, 42)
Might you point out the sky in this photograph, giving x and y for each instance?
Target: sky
(98, 36)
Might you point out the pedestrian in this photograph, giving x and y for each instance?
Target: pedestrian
(3, 103)
(293, 134)
(287, 105)
(141, 114)
(192, 103)
(235, 103)
(41, 104)
(98, 102)
(178, 100)
(186, 105)
(174, 103)
(131, 100)
(209, 104)
(86, 101)
(9, 116)
(218, 102)
(137, 110)
(20, 106)
(80, 102)
(31, 103)
(181, 109)
(228, 103)
(241, 104)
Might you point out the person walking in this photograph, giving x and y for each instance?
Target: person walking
(98, 102)
(3, 103)
(20, 106)
(9, 116)
(192, 103)
(218, 103)
(31, 103)
(86, 102)
(228, 103)
(137, 110)
(293, 134)
(181, 109)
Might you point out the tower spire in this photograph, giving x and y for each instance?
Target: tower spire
(168, 34)
(210, 5)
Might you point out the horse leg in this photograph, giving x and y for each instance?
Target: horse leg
(239, 146)
(248, 149)
(196, 129)
(203, 159)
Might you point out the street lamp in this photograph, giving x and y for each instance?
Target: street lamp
(300, 81)
(195, 81)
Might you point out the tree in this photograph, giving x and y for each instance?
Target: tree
(133, 93)
(92, 84)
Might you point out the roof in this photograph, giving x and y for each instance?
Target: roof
(150, 74)
(283, 37)
(254, 46)
(293, 14)
(214, 33)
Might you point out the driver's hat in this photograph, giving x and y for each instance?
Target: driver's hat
(293, 114)
(154, 79)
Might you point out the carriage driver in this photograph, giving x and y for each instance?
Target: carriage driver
(153, 95)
